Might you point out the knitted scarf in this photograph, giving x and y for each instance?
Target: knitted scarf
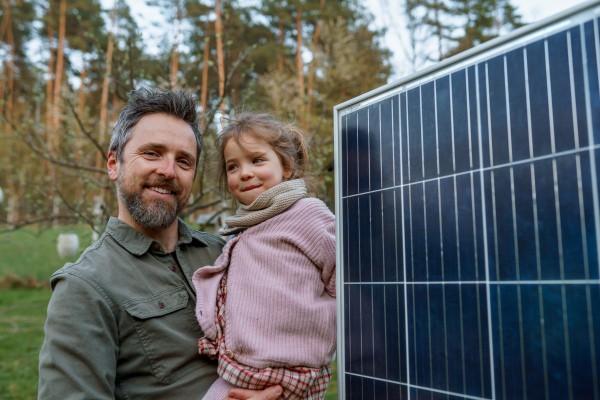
(268, 204)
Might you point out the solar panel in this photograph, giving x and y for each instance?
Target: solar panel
(468, 223)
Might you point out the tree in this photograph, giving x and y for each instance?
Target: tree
(458, 25)
(102, 61)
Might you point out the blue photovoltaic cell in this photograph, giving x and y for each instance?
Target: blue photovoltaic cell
(590, 54)
(517, 101)
(460, 121)
(429, 133)
(578, 85)
(375, 157)
(389, 141)
(444, 126)
(470, 226)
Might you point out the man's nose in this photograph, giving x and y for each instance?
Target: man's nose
(167, 168)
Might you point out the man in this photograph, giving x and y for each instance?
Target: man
(121, 321)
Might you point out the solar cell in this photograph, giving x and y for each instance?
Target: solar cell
(469, 223)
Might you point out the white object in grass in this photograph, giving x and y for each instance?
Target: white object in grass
(67, 245)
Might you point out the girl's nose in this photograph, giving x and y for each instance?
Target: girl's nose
(246, 173)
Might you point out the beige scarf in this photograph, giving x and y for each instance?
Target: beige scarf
(268, 204)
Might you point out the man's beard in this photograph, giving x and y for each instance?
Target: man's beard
(155, 213)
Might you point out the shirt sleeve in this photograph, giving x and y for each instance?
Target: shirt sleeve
(80, 351)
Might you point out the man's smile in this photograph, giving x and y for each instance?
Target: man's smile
(160, 190)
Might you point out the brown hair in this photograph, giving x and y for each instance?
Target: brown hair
(287, 141)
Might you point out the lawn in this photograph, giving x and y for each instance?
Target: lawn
(22, 316)
(31, 253)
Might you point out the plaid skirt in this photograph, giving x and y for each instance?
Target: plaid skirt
(298, 383)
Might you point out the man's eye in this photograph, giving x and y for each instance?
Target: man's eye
(185, 162)
(151, 153)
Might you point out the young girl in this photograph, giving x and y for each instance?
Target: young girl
(267, 307)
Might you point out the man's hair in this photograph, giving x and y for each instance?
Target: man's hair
(144, 101)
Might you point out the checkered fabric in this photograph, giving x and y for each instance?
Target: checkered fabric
(299, 383)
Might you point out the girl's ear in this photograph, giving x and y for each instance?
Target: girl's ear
(287, 172)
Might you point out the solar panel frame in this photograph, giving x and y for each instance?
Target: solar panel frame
(416, 180)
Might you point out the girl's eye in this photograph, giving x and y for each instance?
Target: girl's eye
(231, 167)
(258, 159)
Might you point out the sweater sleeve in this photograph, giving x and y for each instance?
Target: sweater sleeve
(320, 225)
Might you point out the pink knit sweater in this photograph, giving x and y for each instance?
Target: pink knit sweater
(281, 308)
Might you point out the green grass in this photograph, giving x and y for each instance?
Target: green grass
(332, 390)
(22, 316)
(32, 252)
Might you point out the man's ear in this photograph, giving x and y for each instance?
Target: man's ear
(113, 166)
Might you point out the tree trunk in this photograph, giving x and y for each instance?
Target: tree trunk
(220, 59)
(105, 86)
(80, 107)
(438, 28)
(204, 94)
(4, 22)
(62, 23)
(280, 57)
(175, 56)
(49, 85)
(10, 64)
(299, 63)
(311, 70)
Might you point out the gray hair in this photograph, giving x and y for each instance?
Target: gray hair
(144, 101)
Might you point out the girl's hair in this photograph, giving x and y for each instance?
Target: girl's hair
(287, 141)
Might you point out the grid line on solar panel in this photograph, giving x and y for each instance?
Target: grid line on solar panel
(423, 388)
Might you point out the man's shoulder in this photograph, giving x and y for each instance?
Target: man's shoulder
(97, 254)
(207, 238)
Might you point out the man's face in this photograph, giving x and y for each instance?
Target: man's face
(155, 177)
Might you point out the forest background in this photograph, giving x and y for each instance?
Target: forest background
(67, 68)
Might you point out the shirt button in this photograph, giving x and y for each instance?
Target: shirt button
(156, 246)
(173, 268)
(225, 290)
(161, 304)
(230, 354)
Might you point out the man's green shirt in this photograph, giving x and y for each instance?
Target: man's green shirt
(121, 321)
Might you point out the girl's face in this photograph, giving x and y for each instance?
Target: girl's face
(253, 169)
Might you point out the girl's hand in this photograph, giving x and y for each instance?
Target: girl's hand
(270, 393)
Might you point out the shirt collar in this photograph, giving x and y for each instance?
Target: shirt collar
(137, 243)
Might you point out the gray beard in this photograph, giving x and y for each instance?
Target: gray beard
(158, 215)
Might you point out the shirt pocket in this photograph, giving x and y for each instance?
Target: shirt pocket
(165, 326)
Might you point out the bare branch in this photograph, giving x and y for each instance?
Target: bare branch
(32, 221)
(191, 209)
(85, 132)
(30, 142)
